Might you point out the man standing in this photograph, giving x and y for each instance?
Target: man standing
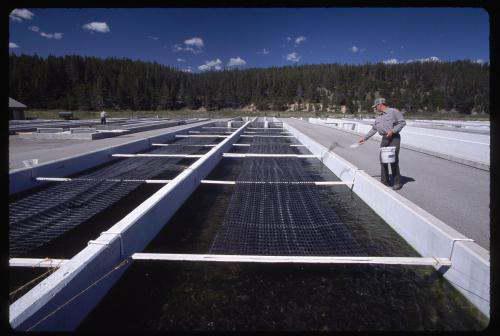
(388, 124)
(103, 117)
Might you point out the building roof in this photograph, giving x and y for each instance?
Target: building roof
(15, 103)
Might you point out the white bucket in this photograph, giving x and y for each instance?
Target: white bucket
(388, 154)
(30, 163)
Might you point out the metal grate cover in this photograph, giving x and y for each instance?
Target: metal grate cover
(48, 213)
(280, 219)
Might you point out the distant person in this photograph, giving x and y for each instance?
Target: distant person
(388, 124)
(103, 117)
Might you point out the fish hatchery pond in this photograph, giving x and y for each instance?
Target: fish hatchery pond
(297, 297)
(246, 218)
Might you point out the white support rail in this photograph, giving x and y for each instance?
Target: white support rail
(199, 132)
(36, 262)
(260, 133)
(246, 155)
(263, 128)
(418, 261)
(220, 127)
(267, 136)
(159, 155)
(201, 136)
(248, 145)
(183, 145)
(218, 182)
(67, 179)
(318, 183)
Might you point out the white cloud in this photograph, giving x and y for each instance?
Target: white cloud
(178, 48)
(289, 38)
(236, 61)
(479, 61)
(187, 69)
(431, 59)
(56, 36)
(100, 27)
(19, 15)
(36, 29)
(293, 57)
(15, 18)
(354, 49)
(12, 45)
(211, 65)
(193, 50)
(181, 60)
(264, 51)
(195, 42)
(154, 38)
(193, 45)
(422, 60)
(300, 39)
(391, 61)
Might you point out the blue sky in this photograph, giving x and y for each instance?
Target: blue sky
(210, 39)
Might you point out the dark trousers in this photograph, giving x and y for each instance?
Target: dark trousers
(395, 141)
(103, 121)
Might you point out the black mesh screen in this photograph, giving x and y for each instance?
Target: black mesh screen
(44, 215)
(280, 218)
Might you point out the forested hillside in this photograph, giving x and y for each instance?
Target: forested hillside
(89, 83)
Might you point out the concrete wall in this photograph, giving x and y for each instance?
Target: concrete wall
(461, 145)
(470, 270)
(116, 245)
(23, 179)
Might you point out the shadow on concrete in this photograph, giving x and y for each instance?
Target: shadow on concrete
(403, 179)
(406, 179)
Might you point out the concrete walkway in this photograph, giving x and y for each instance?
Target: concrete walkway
(49, 150)
(458, 195)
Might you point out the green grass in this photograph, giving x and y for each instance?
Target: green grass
(228, 113)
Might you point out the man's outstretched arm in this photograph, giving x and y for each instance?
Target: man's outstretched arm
(368, 135)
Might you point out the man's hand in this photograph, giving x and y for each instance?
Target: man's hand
(390, 133)
(361, 141)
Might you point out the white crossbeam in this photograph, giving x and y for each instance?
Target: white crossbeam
(201, 136)
(266, 136)
(263, 128)
(419, 261)
(318, 183)
(67, 179)
(248, 145)
(159, 155)
(199, 132)
(36, 262)
(219, 127)
(183, 145)
(218, 182)
(246, 155)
